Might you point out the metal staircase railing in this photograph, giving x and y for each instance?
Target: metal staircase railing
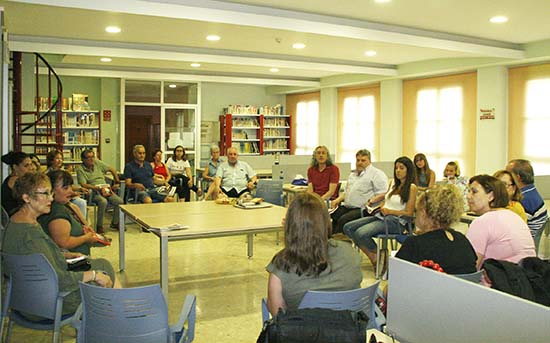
(38, 130)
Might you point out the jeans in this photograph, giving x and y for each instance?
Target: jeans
(362, 230)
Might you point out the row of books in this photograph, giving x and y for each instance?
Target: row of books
(74, 154)
(246, 147)
(276, 110)
(275, 132)
(275, 122)
(245, 122)
(276, 144)
(81, 137)
(80, 120)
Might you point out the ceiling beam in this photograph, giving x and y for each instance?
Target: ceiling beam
(272, 18)
(170, 53)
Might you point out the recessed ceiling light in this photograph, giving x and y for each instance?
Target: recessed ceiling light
(298, 45)
(498, 19)
(195, 65)
(172, 86)
(105, 59)
(370, 53)
(213, 38)
(382, 1)
(113, 29)
(274, 70)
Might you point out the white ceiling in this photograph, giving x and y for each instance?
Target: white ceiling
(165, 36)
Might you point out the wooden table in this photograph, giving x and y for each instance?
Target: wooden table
(204, 218)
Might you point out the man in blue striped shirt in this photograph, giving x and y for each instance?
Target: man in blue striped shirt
(532, 201)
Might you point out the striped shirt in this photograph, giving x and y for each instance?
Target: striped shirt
(534, 208)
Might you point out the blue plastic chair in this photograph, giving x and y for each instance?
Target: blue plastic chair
(361, 299)
(473, 277)
(386, 237)
(32, 288)
(134, 315)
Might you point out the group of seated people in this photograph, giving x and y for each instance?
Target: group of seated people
(510, 215)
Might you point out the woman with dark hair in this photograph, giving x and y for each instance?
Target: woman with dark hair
(436, 210)
(54, 161)
(310, 260)
(24, 236)
(323, 176)
(514, 193)
(182, 178)
(399, 201)
(20, 163)
(498, 233)
(161, 175)
(425, 177)
(65, 224)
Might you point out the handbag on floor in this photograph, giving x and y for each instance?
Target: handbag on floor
(315, 325)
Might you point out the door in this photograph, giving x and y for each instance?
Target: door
(142, 126)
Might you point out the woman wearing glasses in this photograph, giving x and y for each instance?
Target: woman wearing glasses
(182, 178)
(25, 236)
(498, 233)
(514, 192)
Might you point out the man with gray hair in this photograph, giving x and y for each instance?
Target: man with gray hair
(532, 202)
(138, 174)
(366, 186)
(234, 177)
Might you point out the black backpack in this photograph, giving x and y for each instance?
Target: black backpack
(538, 273)
(310, 325)
(522, 282)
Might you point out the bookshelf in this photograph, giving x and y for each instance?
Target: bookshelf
(80, 130)
(255, 130)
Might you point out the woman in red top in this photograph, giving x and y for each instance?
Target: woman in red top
(161, 174)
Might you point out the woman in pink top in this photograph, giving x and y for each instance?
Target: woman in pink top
(498, 233)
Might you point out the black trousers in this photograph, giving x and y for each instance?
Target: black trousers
(342, 215)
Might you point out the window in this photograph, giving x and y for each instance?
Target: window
(307, 127)
(304, 112)
(439, 121)
(357, 122)
(530, 115)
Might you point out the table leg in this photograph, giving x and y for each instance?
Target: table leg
(121, 230)
(250, 245)
(164, 266)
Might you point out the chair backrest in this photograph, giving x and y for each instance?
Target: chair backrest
(32, 284)
(473, 277)
(361, 299)
(123, 315)
(271, 191)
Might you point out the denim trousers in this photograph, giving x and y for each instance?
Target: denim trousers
(363, 230)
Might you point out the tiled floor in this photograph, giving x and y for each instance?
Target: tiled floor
(228, 285)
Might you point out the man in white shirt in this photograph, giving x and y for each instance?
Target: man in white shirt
(234, 177)
(366, 186)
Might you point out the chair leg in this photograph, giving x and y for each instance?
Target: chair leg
(8, 333)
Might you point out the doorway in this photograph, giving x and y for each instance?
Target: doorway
(142, 126)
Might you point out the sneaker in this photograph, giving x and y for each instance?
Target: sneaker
(199, 192)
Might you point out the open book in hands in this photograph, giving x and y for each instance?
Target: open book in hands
(373, 209)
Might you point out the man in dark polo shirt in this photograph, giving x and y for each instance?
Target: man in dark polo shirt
(138, 174)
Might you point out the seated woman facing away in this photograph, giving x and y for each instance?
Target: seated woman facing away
(310, 260)
(24, 236)
(399, 201)
(65, 223)
(436, 210)
(498, 233)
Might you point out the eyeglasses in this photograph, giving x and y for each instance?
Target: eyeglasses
(46, 193)
(179, 150)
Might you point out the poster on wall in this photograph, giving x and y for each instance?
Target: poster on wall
(486, 113)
